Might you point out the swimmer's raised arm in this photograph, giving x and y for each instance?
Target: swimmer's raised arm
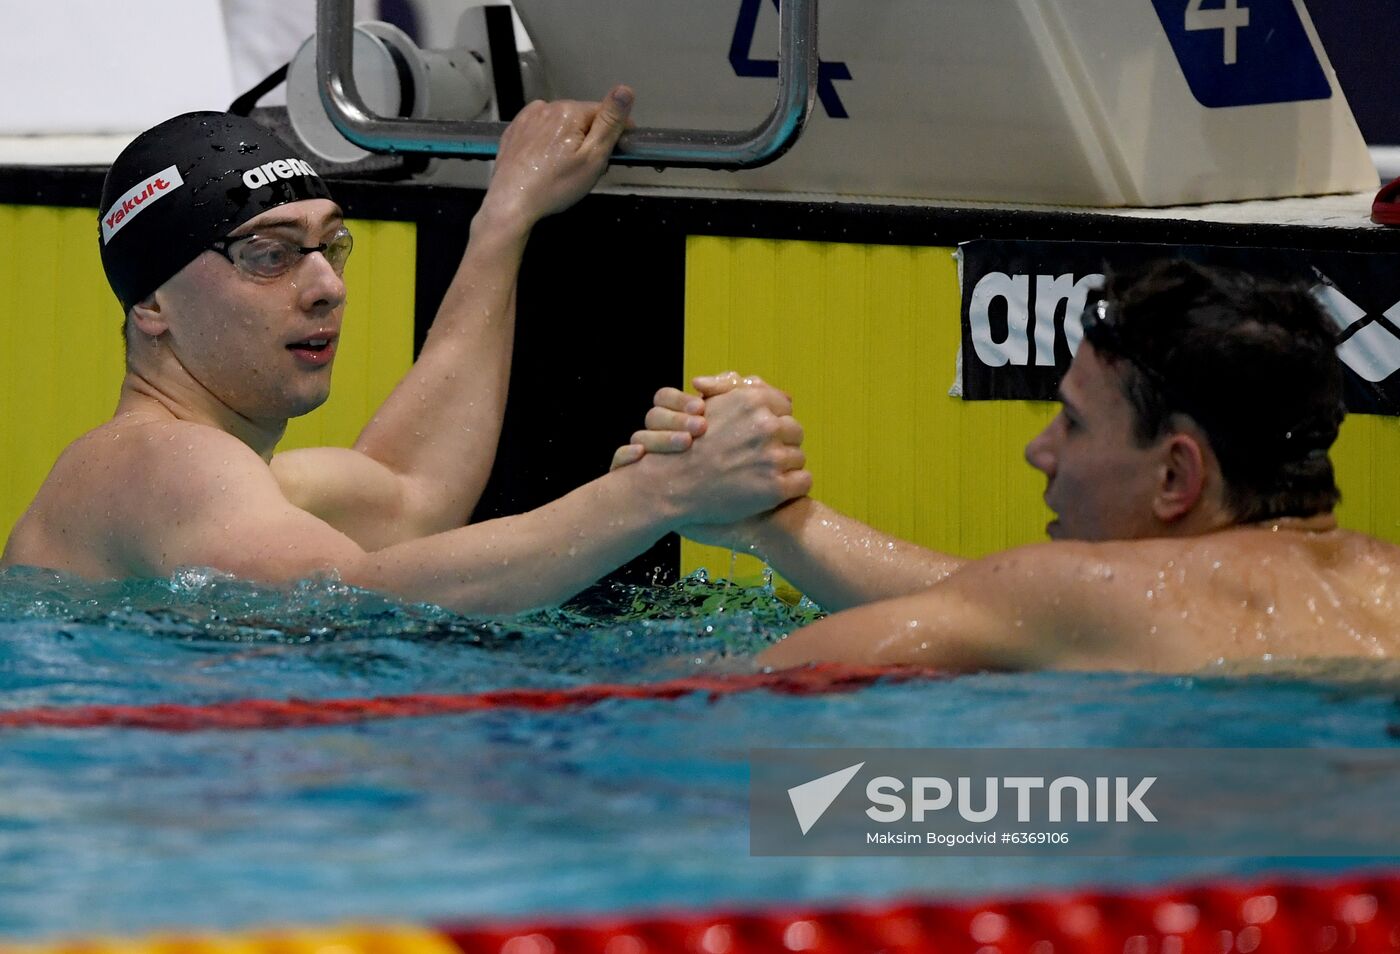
(233, 516)
(431, 445)
(834, 559)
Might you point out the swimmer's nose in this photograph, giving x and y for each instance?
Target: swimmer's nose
(1039, 452)
(320, 288)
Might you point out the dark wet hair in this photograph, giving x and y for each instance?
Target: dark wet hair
(1251, 360)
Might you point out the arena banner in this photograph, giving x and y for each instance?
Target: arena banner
(1022, 302)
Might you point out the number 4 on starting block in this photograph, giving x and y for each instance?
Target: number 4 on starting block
(1243, 52)
(1230, 18)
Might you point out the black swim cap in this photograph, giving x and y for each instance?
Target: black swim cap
(187, 183)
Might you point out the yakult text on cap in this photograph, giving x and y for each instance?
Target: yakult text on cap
(137, 198)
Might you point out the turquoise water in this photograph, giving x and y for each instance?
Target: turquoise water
(623, 806)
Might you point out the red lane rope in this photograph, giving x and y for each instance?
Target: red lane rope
(1359, 915)
(820, 679)
(1355, 915)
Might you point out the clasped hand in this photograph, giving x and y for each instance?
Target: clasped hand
(739, 433)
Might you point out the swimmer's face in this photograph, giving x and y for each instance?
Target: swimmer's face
(237, 334)
(1100, 483)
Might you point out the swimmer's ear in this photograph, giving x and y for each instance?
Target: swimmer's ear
(1181, 477)
(148, 316)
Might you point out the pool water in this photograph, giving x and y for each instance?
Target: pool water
(627, 805)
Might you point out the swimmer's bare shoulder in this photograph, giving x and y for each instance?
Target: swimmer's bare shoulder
(1167, 605)
(144, 498)
(1277, 591)
(74, 522)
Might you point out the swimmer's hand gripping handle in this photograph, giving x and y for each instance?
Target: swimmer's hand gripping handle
(797, 84)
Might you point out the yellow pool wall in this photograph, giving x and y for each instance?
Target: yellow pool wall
(864, 337)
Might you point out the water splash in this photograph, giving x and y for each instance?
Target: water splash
(221, 637)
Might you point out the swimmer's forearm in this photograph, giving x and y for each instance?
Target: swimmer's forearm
(439, 428)
(938, 629)
(839, 562)
(523, 562)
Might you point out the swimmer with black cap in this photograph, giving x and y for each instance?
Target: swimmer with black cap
(226, 252)
(182, 187)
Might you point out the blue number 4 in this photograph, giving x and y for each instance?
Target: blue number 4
(1238, 53)
(1230, 19)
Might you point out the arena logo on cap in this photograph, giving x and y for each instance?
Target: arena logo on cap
(138, 198)
(270, 172)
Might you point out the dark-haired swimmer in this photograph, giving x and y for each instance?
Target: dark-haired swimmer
(226, 252)
(1188, 470)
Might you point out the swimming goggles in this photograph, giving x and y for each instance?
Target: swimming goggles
(265, 256)
(1101, 329)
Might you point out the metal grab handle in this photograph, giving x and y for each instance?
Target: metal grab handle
(797, 84)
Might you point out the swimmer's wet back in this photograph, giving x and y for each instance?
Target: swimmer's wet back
(184, 185)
